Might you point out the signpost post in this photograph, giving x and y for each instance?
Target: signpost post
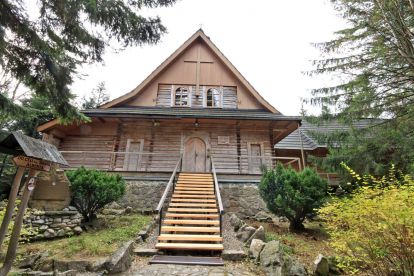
(36, 156)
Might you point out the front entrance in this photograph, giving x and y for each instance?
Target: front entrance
(194, 158)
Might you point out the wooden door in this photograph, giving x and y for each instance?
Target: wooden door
(255, 158)
(133, 158)
(194, 159)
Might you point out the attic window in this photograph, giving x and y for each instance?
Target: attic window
(213, 98)
(181, 96)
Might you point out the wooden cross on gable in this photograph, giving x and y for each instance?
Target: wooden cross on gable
(198, 68)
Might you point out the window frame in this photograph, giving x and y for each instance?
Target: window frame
(220, 97)
(174, 95)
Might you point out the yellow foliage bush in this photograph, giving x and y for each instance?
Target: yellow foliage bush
(372, 230)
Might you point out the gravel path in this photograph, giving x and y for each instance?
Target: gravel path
(140, 267)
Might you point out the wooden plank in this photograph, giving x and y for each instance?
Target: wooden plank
(189, 246)
(191, 222)
(193, 210)
(192, 200)
(194, 192)
(180, 237)
(193, 189)
(184, 215)
(173, 204)
(196, 229)
(193, 196)
(195, 186)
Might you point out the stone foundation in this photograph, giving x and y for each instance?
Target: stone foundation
(143, 195)
(242, 199)
(54, 224)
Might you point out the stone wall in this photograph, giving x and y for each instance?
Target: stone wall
(143, 195)
(54, 224)
(243, 199)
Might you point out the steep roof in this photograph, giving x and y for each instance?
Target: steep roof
(308, 130)
(201, 36)
(177, 112)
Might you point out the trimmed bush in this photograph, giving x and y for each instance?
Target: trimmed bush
(293, 194)
(372, 229)
(91, 190)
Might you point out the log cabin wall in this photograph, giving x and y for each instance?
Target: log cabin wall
(162, 142)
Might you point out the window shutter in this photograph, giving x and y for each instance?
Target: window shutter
(172, 95)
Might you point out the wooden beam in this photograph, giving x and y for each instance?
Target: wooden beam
(10, 204)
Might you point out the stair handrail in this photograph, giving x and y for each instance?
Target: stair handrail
(169, 185)
(216, 186)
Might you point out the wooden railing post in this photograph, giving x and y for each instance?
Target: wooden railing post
(218, 194)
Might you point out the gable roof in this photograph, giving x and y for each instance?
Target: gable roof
(197, 35)
(308, 130)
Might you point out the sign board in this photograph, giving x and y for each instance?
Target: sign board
(31, 163)
(223, 140)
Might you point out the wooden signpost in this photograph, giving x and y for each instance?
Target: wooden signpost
(36, 156)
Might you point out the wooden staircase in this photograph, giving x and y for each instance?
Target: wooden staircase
(192, 220)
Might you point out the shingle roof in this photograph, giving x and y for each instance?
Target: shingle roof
(292, 141)
(179, 112)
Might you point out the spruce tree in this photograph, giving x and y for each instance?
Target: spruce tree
(43, 43)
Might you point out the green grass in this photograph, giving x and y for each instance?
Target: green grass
(114, 231)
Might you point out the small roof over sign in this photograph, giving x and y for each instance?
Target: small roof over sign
(20, 144)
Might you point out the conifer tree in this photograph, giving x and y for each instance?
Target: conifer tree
(374, 57)
(43, 43)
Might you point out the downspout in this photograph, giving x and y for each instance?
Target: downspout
(301, 146)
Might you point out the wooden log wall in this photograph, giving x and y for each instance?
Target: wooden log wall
(164, 141)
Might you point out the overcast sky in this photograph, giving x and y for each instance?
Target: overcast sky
(269, 42)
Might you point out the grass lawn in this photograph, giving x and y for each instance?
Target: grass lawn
(304, 246)
(110, 233)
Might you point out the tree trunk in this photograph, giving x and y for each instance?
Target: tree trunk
(10, 204)
(296, 225)
(14, 239)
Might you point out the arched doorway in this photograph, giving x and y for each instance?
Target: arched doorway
(194, 159)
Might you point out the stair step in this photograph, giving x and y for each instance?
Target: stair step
(196, 229)
(194, 192)
(193, 200)
(193, 210)
(199, 179)
(192, 205)
(192, 196)
(189, 246)
(185, 180)
(194, 189)
(192, 222)
(186, 260)
(195, 185)
(184, 215)
(181, 237)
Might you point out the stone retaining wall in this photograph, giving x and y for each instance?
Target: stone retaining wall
(143, 195)
(54, 224)
(242, 199)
